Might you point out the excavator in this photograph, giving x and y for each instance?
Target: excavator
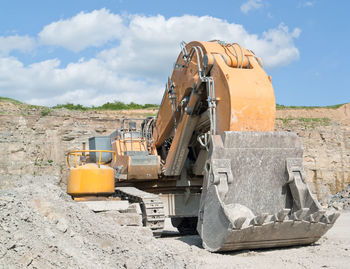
(210, 160)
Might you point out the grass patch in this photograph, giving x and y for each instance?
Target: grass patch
(285, 120)
(307, 121)
(322, 121)
(7, 99)
(36, 107)
(280, 107)
(116, 105)
(46, 111)
(149, 114)
(71, 106)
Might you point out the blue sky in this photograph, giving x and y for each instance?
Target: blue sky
(91, 52)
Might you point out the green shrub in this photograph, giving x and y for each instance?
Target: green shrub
(7, 99)
(116, 105)
(278, 106)
(71, 106)
(45, 111)
(307, 121)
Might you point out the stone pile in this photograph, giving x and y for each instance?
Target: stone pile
(42, 227)
(341, 200)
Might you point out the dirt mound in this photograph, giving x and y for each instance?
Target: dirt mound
(41, 227)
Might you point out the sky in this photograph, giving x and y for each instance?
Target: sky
(92, 52)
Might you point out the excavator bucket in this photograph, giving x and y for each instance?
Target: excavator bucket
(255, 196)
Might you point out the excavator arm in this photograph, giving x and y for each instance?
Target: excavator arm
(231, 81)
(221, 84)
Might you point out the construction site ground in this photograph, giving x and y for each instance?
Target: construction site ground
(332, 251)
(42, 227)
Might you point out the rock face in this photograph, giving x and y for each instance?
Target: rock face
(326, 139)
(35, 143)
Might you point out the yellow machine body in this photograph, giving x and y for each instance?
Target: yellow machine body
(90, 179)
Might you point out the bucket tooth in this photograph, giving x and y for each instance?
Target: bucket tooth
(281, 215)
(330, 219)
(259, 220)
(300, 214)
(325, 219)
(315, 217)
(238, 223)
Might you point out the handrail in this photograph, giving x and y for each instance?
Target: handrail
(124, 142)
(77, 153)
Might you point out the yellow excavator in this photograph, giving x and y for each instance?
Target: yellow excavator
(210, 160)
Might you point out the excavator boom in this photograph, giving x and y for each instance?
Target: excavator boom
(226, 82)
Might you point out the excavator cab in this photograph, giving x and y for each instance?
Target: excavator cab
(135, 158)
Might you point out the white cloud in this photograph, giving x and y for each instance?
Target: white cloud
(137, 66)
(151, 44)
(16, 42)
(89, 83)
(306, 4)
(251, 5)
(83, 30)
(276, 46)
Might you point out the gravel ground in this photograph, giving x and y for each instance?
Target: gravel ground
(331, 251)
(41, 227)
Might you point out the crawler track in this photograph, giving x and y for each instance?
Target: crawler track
(151, 205)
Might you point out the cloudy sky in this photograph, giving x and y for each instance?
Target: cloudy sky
(92, 52)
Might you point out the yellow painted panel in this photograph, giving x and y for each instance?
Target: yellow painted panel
(91, 179)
